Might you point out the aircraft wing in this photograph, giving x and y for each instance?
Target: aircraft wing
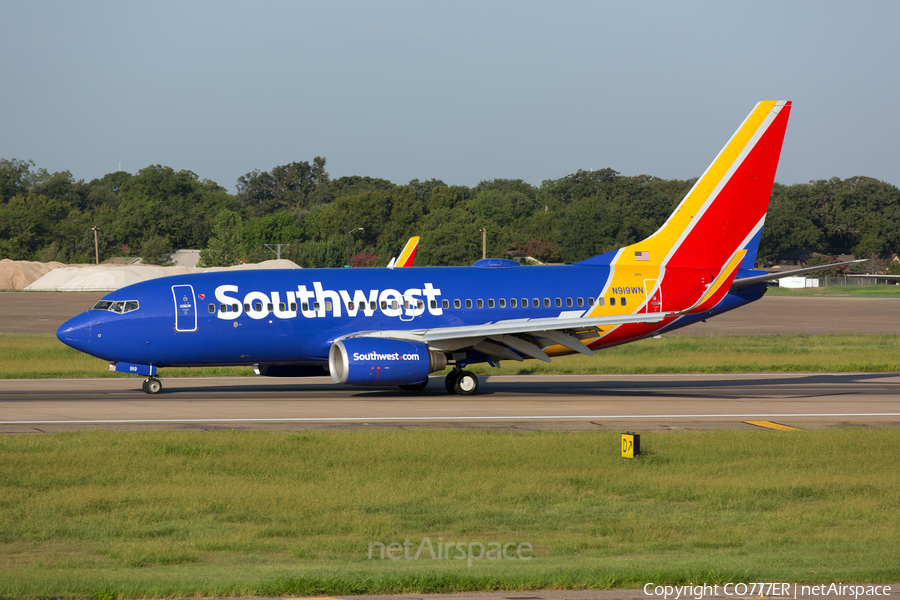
(739, 283)
(526, 336)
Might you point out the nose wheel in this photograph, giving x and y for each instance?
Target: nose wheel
(152, 385)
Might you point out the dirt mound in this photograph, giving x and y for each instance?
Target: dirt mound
(106, 278)
(19, 274)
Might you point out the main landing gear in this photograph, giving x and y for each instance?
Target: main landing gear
(152, 385)
(461, 382)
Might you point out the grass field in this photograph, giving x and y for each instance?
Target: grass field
(838, 290)
(183, 514)
(25, 356)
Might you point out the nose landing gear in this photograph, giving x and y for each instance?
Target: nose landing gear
(152, 385)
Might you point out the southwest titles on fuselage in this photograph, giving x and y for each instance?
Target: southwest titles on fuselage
(319, 302)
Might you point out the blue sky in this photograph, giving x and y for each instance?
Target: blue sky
(459, 91)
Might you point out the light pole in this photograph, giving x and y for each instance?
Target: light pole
(277, 249)
(96, 245)
(348, 243)
(483, 242)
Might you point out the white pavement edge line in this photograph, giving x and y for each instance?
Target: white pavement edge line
(504, 418)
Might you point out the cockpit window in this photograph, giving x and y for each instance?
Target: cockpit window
(119, 306)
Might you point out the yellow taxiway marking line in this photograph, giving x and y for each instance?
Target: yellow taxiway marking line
(771, 425)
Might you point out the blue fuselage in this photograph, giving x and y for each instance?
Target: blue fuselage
(294, 316)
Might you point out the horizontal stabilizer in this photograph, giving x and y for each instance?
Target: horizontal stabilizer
(745, 281)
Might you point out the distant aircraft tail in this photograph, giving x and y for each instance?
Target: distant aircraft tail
(408, 255)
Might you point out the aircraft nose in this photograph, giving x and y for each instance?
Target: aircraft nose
(76, 332)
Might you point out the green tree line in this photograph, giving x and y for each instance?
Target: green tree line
(46, 216)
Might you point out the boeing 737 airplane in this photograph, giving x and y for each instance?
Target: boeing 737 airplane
(392, 327)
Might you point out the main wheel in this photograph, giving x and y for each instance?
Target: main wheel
(152, 385)
(414, 387)
(466, 383)
(144, 386)
(450, 381)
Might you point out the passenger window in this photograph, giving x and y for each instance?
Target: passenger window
(212, 308)
(558, 302)
(281, 306)
(568, 302)
(235, 307)
(480, 303)
(420, 304)
(490, 303)
(269, 306)
(223, 308)
(612, 301)
(305, 306)
(547, 302)
(535, 302)
(601, 301)
(591, 301)
(246, 307)
(293, 307)
(525, 303)
(433, 304)
(456, 304)
(384, 305)
(315, 306)
(445, 304)
(395, 304)
(624, 301)
(580, 302)
(512, 303)
(468, 303)
(502, 302)
(350, 305)
(257, 307)
(372, 305)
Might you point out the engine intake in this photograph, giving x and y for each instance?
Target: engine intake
(382, 361)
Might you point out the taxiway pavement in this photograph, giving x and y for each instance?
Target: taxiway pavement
(645, 402)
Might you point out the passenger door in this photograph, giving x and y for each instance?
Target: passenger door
(185, 308)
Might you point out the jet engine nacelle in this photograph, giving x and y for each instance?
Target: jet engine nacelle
(382, 361)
